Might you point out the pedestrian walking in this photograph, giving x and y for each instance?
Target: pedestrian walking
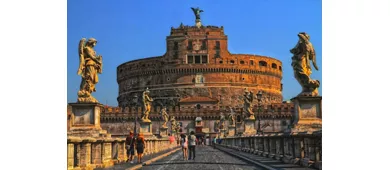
(184, 146)
(140, 145)
(214, 142)
(130, 143)
(192, 143)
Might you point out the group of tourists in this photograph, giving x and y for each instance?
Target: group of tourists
(133, 143)
(188, 145)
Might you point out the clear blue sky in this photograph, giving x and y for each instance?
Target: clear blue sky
(133, 29)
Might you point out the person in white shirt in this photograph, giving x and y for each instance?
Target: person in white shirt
(192, 143)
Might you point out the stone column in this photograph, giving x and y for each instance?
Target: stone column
(85, 154)
(277, 145)
(71, 159)
(302, 148)
(121, 151)
(271, 147)
(97, 154)
(107, 146)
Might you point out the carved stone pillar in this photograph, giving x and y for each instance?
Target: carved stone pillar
(97, 154)
(70, 156)
(107, 161)
(121, 151)
(85, 155)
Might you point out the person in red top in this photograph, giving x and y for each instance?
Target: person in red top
(171, 138)
(130, 143)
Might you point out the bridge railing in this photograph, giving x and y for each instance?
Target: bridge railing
(89, 153)
(298, 148)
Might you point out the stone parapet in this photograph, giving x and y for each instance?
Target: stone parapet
(304, 148)
(87, 153)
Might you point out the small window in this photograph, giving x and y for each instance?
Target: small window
(274, 65)
(251, 62)
(280, 68)
(243, 78)
(204, 59)
(197, 106)
(217, 45)
(197, 59)
(238, 118)
(217, 54)
(220, 62)
(204, 46)
(231, 61)
(242, 62)
(190, 59)
(176, 55)
(262, 63)
(189, 45)
(120, 71)
(176, 46)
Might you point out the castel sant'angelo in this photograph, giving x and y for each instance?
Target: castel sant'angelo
(198, 80)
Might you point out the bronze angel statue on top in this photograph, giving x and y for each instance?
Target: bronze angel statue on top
(304, 53)
(89, 68)
(197, 12)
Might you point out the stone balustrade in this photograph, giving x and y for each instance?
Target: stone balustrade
(89, 153)
(304, 148)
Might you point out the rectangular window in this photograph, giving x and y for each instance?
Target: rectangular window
(217, 55)
(204, 47)
(197, 59)
(176, 46)
(204, 59)
(251, 62)
(189, 45)
(190, 59)
(217, 45)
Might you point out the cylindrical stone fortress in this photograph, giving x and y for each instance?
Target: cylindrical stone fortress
(198, 68)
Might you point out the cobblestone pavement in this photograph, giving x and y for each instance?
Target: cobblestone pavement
(207, 158)
(272, 163)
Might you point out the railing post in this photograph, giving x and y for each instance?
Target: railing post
(302, 147)
(107, 161)
(71, 153)
(121, 150)
(97, 153)
(85, 153)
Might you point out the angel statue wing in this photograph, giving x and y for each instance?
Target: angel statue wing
(313, 58)
(81, 57)
(309, 47)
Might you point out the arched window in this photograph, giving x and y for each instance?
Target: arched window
(274, 65)
(280, 68)
(242, 62)
(220, 62)
(262, 63)
(251, 62)
(231, 61)
(197, 106)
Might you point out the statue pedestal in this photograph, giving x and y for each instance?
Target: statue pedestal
(198, 23)
(249, 128)
(85, 120)
(231, 130)
(146, 128)
(308, 114)
(222, 133)
(164, 131)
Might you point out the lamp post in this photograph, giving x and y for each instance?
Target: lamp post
(259, 107)
(135, 100)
